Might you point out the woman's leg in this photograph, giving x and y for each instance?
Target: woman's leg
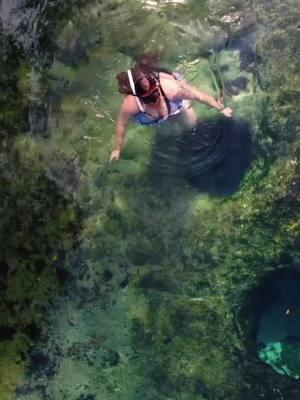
(187, 118)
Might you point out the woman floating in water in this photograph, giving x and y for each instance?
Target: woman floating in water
(154, 95)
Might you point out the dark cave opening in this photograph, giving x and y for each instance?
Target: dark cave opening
(273, 320)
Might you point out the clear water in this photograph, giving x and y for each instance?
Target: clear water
(276, 302)
(142, 293)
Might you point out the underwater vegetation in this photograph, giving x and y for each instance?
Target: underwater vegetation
(138, 279)
(13, 106)
(38, 228)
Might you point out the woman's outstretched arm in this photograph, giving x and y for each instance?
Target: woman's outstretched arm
(188, 92)
(123, 119)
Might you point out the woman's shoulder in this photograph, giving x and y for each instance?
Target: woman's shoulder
(177, 76)
(169, 84)
(166, 76)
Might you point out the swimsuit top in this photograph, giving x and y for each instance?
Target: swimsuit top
(174, 107)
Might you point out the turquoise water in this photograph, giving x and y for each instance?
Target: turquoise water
(138, 279)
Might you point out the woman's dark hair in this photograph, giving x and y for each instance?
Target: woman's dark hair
(148, 62)
(124, 84)
(146, 66)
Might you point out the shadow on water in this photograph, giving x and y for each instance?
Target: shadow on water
(212, 158)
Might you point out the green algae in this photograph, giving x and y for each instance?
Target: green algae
(37, 227)
(188, 343)
(12, 367)
(13, 106)
(212, 296)
(173, 268)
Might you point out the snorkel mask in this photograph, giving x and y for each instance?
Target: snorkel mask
(153, 92)
(152, 95)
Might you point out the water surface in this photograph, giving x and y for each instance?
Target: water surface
(127, 280)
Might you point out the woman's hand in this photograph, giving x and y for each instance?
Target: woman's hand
(115, 155)
(227, 112)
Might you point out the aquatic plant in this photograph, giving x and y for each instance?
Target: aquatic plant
(38, 228)
(13, 106)
(12, 366)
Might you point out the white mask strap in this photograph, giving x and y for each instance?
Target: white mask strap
(129, 73)
(133, 90)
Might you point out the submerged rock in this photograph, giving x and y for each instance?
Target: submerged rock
(41, 364)
(87, 397)
(63, 170)
(235, 86)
